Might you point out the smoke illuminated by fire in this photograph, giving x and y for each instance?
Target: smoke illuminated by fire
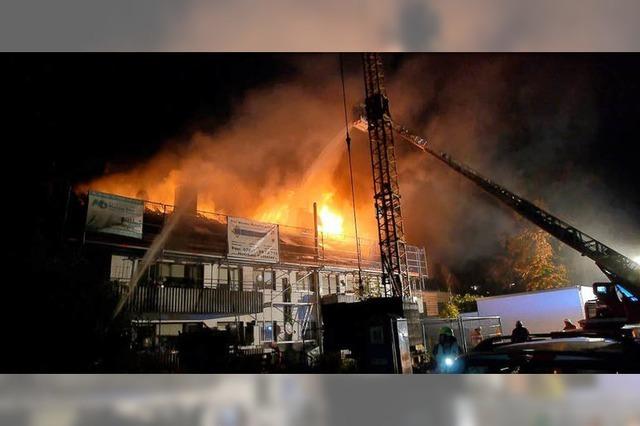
(264, 166)
(278, 155)
(290, 206)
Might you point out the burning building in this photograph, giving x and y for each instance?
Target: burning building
(260, 257)
(182, 270)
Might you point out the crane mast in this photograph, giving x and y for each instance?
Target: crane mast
(385, 179)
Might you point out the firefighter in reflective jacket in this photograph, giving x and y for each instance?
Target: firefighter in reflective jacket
(446, 350)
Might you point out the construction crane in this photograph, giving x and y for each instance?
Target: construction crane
(622, 272)
(393, 250)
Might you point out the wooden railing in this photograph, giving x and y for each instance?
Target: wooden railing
(191, 300)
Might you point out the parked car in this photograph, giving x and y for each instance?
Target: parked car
(568, 352)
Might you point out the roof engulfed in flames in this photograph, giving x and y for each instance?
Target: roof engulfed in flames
(223, 191)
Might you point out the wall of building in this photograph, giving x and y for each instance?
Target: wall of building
(294, 285)
(433, 300)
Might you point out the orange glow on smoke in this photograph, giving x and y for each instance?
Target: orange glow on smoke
(273, 197)
(289, 207)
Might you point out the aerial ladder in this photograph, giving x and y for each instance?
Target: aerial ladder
(617, 300)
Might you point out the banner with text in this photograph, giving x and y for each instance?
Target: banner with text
(251, 240)
(112, 214)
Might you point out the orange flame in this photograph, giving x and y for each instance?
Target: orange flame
(273, 198)
(330, 220)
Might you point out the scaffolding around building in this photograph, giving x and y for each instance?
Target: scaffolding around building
(311, 268)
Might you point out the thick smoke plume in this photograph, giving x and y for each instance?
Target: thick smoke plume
(283, 150)
(521, 121)
(527, 123)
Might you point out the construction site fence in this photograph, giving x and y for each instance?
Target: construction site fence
(463, 329)
(152, 361)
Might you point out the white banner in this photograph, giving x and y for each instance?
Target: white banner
(111, 214)
(252, 240)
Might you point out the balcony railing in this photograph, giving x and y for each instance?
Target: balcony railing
(180, 300)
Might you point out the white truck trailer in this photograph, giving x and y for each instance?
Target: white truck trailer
(540, 311)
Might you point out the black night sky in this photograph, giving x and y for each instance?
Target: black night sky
(84, 111)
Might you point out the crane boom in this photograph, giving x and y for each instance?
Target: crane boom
(617, 267)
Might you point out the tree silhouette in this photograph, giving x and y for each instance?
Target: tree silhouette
(529, 262)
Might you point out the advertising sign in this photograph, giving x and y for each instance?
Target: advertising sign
(112, 214)
(251, 240)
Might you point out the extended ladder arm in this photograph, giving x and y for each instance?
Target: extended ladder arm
(616, 266)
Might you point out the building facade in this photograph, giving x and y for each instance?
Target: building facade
(263, 283)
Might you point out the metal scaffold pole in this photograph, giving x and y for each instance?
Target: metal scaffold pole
(316, 277)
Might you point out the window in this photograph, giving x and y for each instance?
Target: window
(350, 283)
(312, 282)
(157, 273)
(264, 279)
(177, 271)
(300, 280)
(229, 277)
(235, 278)
(304, 281)
(268, 331)
(208, 278)
(334, 282)
(342, 285)
(223, 277)
(177, 274)
(248, 333)
(270, 279)
(258, 279)
(163, 271)
(286, 293)
(324, 284)
(121, 268)
(194, 275)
